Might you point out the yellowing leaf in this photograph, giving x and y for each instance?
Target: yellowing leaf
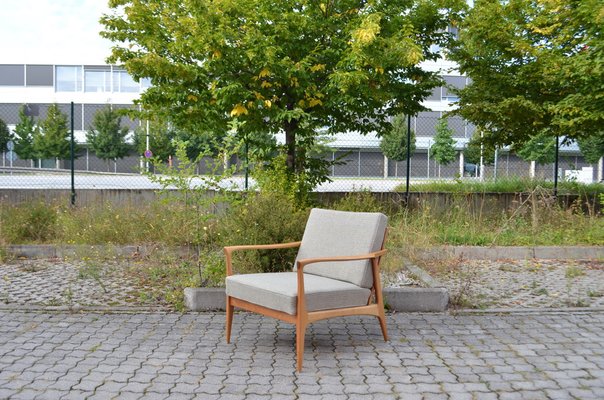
(264, 72)
(258, 96)
(266, 84)
(323, 7)
(293, 82)
(301, 103)
(192, 97)
(315, 102)
(268, 103)
(379, 70)
(317, 67)
(216, 54)
(239, 109)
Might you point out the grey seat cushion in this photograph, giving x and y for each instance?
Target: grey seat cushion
(278, 291)
(342, 233)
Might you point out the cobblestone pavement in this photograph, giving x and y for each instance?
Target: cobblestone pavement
(54, 282)
(527, 283)
(184, 356)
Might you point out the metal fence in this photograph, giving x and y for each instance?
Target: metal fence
(362, 164)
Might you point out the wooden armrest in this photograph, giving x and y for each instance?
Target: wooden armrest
(228, 250)
(368, 256)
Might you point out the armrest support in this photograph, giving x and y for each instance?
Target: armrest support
(374, 257)
(228, 251)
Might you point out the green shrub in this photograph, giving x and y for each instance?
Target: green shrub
(30, 223)
(263, 218)
(363, 201)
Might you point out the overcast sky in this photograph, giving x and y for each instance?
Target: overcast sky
(52, 32)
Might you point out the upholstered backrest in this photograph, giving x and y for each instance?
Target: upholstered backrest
(342, 233)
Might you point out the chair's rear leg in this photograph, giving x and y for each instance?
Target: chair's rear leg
(382, 319)
(229, 318)
(300, 332)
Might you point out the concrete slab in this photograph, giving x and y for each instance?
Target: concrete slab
(416, 299)
(205, 299)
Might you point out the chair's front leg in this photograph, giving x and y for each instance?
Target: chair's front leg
(301, 319)
(229, 318)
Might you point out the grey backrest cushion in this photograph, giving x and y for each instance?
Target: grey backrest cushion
(342, 233)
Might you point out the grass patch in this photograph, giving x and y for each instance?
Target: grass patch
(503, 185)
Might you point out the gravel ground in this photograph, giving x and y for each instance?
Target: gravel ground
(525, 283)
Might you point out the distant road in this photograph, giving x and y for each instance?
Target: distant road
(47, 180)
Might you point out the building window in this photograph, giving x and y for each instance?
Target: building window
(12, 75)
(68, 79)
(97, 79)
(124, 83)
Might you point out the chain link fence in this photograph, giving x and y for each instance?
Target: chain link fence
(361, 164)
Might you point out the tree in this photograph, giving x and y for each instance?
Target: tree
(160, 140)
(25, 131)
(5, 135)
(476, 148)
(106, 136)
(535, 67)
(394, 142)
(539, 149)
(53, 140)
(281, 66)
(592, 147)
(443, 149)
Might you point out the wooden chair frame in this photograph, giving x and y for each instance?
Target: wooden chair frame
(303, 317)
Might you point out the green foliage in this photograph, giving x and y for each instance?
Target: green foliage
(477, 146)
(263, 218)
(36, 223)
(5, 135)
(25, 130)
(106, 136)
(160, 140)
(275, 178)
(363, 201)
(394, 141)
(281, 66)
(443, 149)
(504, 185)
(540, 148)
(535, 66)
(592, 147)
(53, 140)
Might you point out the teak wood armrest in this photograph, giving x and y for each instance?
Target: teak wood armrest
(302, 263)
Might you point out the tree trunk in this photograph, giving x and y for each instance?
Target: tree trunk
(290, 143)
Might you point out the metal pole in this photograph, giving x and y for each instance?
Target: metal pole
(147, 148)
(247, 163)
(556, 167)
(73, 193)
(408, 157)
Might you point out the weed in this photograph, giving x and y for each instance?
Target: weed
(540, 292)
(594, 293)
(573, 272)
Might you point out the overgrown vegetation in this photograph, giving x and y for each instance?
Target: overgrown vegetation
(270, 217)
(504, 185)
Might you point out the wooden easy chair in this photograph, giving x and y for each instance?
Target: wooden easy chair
(336, 273)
